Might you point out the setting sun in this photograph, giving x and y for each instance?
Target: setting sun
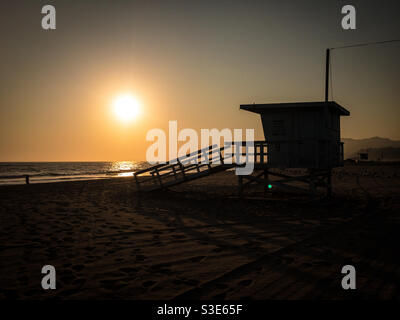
(126, 107)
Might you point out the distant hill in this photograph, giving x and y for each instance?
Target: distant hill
(376, 147)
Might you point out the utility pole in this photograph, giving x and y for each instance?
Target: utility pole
(328, 52)
(329, 172)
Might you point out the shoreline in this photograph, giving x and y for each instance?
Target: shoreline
(43, 179)
(64, 180)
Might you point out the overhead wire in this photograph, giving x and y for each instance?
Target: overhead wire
(354, 46)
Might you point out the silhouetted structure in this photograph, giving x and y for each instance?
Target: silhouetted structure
(301, 134)
(297, 135)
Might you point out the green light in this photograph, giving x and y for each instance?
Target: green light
(270, 186)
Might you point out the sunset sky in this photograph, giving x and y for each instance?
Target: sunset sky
(190, 61)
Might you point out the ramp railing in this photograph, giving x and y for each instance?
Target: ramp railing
(200, 163)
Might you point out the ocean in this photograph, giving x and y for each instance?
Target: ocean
(45, 172)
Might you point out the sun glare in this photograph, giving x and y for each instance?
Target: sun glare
(126, 107)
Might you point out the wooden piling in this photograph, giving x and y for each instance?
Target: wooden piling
(329, 184)
(240, 180)
(266, 178)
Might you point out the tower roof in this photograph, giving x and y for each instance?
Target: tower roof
(261, 108)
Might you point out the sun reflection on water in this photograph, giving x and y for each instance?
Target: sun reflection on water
(128, 166)
(125, 174)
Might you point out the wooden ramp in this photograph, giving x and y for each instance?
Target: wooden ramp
(214, 159)
(201, 163)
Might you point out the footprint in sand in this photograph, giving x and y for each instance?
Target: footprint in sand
(149, 283)
(79, 282)
(220, 296)
(66, 279)
(319, 263)
(108, 284)
(78, 267)
(129, 270)
(157, 287)
(192, 282)
(178, 282)
(289, 260)
(245, 283)
(140, 257)
(196, 259)
(176, 236)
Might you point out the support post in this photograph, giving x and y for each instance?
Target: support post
(329, 184)
(137, 181)
(266, 178)
(27, 179)
(159, 178)
(240, 182)
(312, 187)
(182, 170)
(174, 171)
(208, 157)
(326, 111)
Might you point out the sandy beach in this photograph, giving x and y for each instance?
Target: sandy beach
(201, 241)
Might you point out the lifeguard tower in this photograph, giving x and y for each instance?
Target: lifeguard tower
(301, 135)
